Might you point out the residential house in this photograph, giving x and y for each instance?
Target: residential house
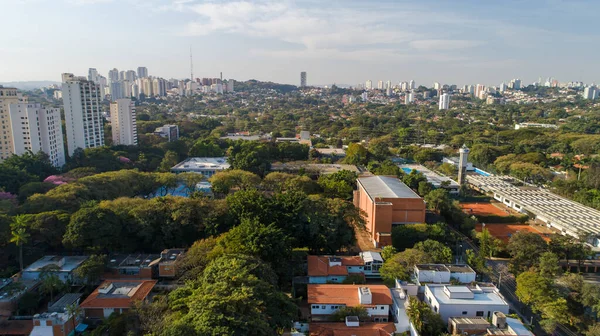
(479, 326)
(132, 266)
(325, 300)
(465, 301)
(169, 259)
(335, 269)
(54, 324)
(443, 274)
(115, 296)
(60, 305)
(62, 266)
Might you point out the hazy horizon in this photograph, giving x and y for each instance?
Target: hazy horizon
(346, 42)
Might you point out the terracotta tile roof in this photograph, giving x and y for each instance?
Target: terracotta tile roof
(15, 327)
(347, 294)
(352, 261)
(340, 329)
(98, 300)
(319, 266)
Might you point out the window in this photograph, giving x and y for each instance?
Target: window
(435, 309)
(323, 307)
(465, 313)
(315, 307)
(382, 308)
(479, 313)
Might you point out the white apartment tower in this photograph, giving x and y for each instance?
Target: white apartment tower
(409, 98)
(444, 101)
(230, 83)
(590, 92)
(380, 85)
(113, 75)
(368, 85)
(8, 96)
(412, 85)
(93, 75)
(35, 128)
(123, 122)
(462, 164)
(83, 118)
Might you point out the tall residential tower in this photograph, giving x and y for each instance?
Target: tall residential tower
(83, 117)
(8, 96)
(123, 122)
(303, 79)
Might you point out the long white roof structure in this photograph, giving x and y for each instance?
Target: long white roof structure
(566, 215)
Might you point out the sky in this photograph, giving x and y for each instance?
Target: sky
(344, 42)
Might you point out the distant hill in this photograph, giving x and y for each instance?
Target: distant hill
(28, 85)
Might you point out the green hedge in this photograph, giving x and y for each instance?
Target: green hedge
(502, 219)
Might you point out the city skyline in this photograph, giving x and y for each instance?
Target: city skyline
(335, 42)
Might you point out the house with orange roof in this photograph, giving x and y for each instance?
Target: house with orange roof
(324, 300)
(335, 269)
(116, 296)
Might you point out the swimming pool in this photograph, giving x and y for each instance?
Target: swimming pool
(406, 170)
(481, 172)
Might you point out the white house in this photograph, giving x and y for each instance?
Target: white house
(443, 274)
(465, 301)
(63, 267)
(207, 166)
(325, 300)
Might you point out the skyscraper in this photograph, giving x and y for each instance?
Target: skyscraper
(479, 89)
(303, 79)
(159, 87)
(113, 75)
(83, 117)
(230, 85)
(409, 98)
(368, 84)
(502, 87)
(444, 101)
(93, 75)
(116, 90)
(123, 122)
(8, 96)
(35, 128)
(436, 86)
(142, 72)
(411, 85)
(404, 86)
(380, 85)
(131, 76)
(589, 92)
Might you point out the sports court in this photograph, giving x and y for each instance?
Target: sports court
(482, 209)
(505, 231)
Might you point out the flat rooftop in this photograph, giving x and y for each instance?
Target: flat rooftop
(460, 269)
(131, 260)
(321, 168)
(564, 214)
(386, 187)
(64, 263)
(432, 177)
(433, 267)
(478, 298)
(201, 164)
(61, 304)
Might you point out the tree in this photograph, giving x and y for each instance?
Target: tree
(488, 244)
(195, 260)
(534, 289)
(476, 261)
(590, 296)
(401, 264)
(525, 249)
(19, 235)
(359, 311)
(438, 200)
(556, 310)
(356, 154)
(593, 330)
(424, 319)
(387, 252)
(204, 148)
(50, 283)
(222, 182)
(91, 269)
(413, 179)
(190, 181)
(549, 265)
(170, 159)
(439, 253)
(424, 188)
(73, 311)
(95, 229)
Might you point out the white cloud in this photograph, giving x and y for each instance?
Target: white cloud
(88, 2)
(444, 44)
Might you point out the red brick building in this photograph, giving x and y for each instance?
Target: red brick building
(387, 201)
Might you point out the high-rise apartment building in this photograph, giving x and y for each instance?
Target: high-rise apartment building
(159, 87)
(113, 75)
(93, 75)
(380, 85)
(142, 72)
(35, 128)
(590, 92)
(502, 87)
(83, 116)
(368, 85)
(478, 89)
(412, 85)
(303, 79)
(8, 96)
(122, 75)
(123, 122)
(388, 85)
(130, 76)
(515, 84)
(409, 98)
(230, 83)
(444, 101)
(116, 90)
(404, 86)
(437, 86)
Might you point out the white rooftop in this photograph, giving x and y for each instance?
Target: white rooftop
(370, 256)
(64, 264)
(478, 297)
(386, 187)
(201, 164)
